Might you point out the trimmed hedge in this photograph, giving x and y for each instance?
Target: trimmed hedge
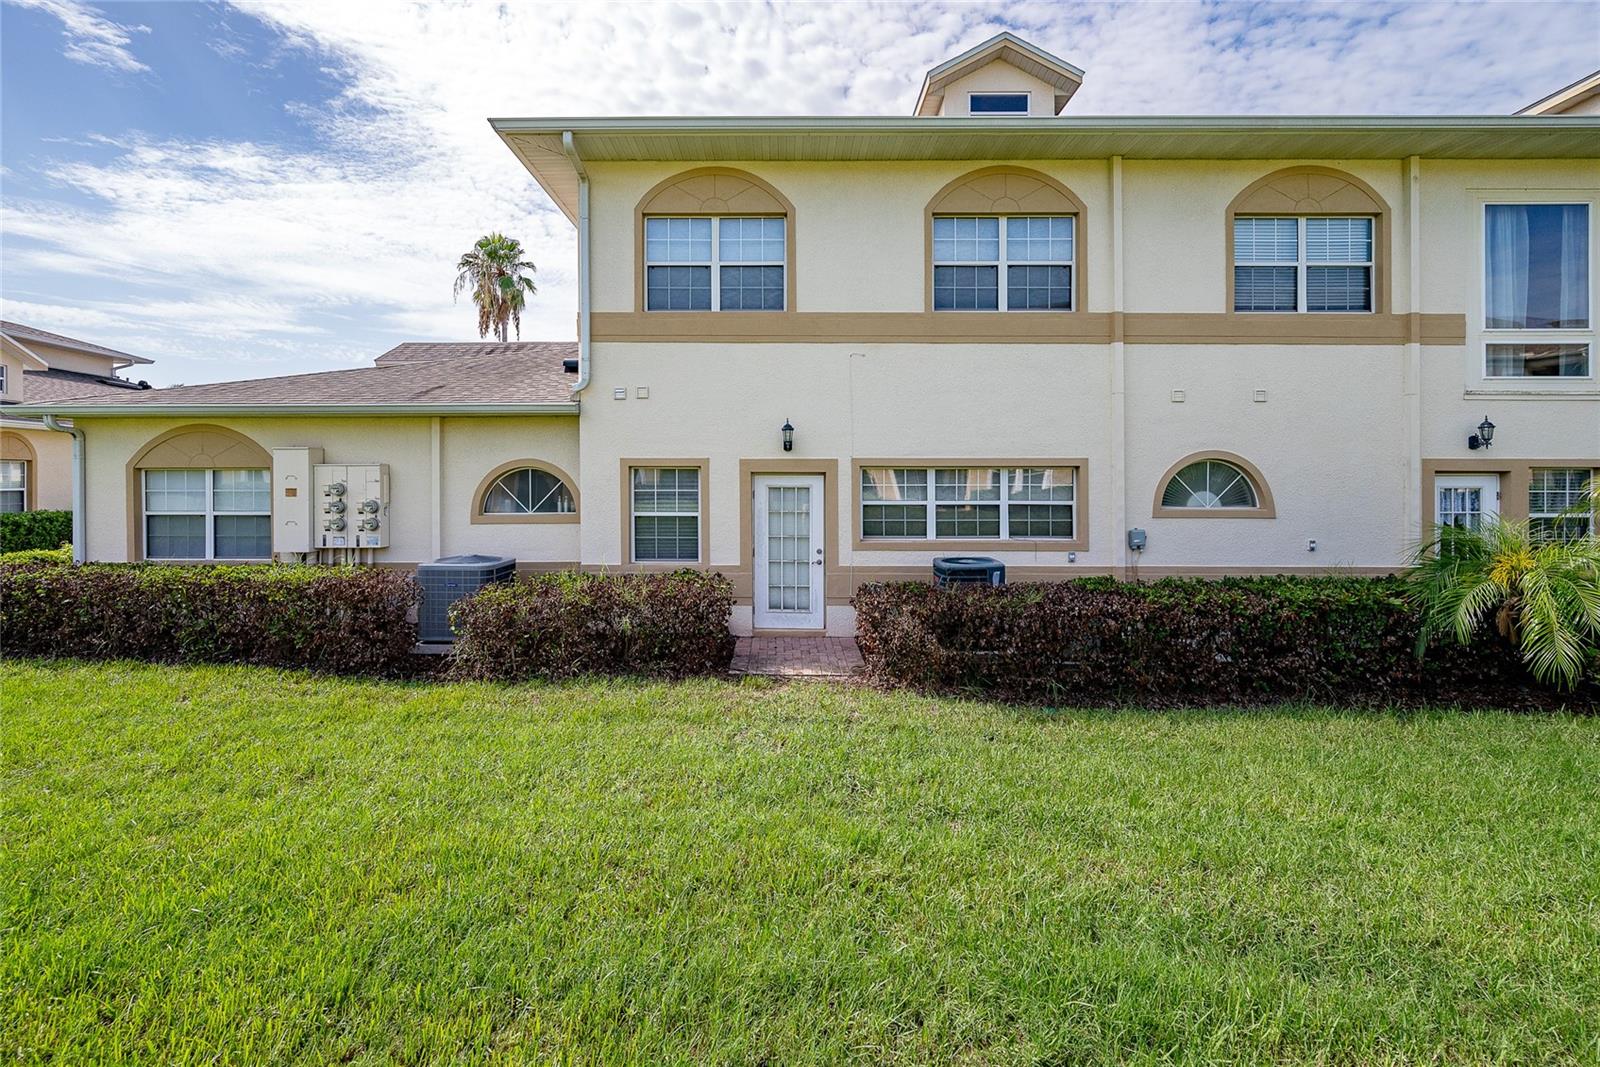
(23, 530)
(1177, 642)
(566, 625)
(341, 620)
(60, 555)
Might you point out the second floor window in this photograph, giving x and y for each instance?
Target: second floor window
(1002, 263)
(1313, 263)
(698, 263)
(1536, 291)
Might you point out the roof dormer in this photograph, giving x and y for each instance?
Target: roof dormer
(1004, 76)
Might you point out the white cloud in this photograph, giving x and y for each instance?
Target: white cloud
(91, 37)
(292, 259)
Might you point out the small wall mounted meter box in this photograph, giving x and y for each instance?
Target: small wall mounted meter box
(352, 504)
(1136, 539)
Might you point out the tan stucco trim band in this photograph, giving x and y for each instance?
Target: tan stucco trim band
(1024, 327)
(1079, 542)
(483, 518)
(1265, 508)
(625, 467)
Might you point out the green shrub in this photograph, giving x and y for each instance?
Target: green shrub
(344, 620)
(24, 530)
(38, 555)
(1346, 641)
(566, 625)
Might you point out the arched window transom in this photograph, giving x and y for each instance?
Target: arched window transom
(1210, 484)
(528, 491)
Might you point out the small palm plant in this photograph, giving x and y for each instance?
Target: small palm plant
(498, 278)
(1543, 593)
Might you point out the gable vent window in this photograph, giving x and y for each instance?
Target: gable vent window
(997, 103)
(698, 263)
(1033, 254)
(1312, 263)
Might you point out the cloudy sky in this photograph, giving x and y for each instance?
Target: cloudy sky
(247, 189)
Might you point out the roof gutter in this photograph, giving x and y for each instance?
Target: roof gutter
(584, 355)
(123, 411)
(79, 471)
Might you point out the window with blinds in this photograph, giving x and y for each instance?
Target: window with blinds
(1306, 263)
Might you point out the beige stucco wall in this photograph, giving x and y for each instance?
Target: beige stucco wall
(469, 449)
(68, 359)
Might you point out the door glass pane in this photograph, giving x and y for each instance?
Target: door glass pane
(789, 548)
(1461, 507)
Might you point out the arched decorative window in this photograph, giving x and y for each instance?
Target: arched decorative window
(1005, 239)
(200, 493)
(1213, 485)
(1307, 239)
(525, 491)
(17, 464)
(714, 239)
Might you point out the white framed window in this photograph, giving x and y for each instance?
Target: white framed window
(13, 485)
(665, 506)
(986, 104)
(699, 263)
(965, 503)
(4, 382)
(1537, 289)
(528, 491)
(1210, 484)
(207, 514)
(1033, 255)
(1555, 496)
(1302, 263)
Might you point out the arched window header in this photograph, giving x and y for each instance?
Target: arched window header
(525, 491)
(1007, 190)
(715, 192)
(1213, 485)
(1314, 191)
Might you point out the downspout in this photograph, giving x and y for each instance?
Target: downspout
(78, 495)
(584, 356)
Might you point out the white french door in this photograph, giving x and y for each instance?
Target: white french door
(788, 541)
(1465, 499)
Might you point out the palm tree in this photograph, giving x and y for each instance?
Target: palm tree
(1543, 593)
(499, 279)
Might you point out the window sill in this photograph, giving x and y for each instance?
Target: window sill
(1584, 391)
(953, 544)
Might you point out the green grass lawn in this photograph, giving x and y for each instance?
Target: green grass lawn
(246, 866)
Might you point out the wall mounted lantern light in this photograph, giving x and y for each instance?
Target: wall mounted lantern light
(1484, 437)
(788, 436)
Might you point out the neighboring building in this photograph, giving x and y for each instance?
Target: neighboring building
(39, 367)
(1128, 346)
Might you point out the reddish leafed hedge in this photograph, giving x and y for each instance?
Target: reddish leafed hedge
(566, 625)
(1345, 641)
(345, 620)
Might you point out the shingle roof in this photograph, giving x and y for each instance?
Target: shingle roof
(502, 378)
(31, 333)
(47, 385)
(425, 351)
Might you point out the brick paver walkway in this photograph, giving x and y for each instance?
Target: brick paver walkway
(797, 657)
